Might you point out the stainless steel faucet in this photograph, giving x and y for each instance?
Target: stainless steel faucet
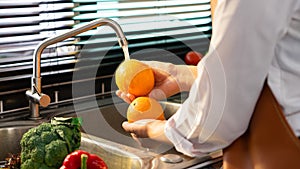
(35, 95)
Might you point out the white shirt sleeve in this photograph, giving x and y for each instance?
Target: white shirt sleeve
(231, 76)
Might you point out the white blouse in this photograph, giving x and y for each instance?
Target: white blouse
(252, 40)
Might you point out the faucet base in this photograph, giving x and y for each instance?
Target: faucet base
(35, 118)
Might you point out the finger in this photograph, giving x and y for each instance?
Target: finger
(130, 96)
(137, 129)
(118, 93)
(127, 127)
(165, 90)
(125, 98)
(159, 74)
(157, 94)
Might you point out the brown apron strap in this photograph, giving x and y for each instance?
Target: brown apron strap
(269, 142)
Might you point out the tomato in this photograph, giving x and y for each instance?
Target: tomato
(192, 58)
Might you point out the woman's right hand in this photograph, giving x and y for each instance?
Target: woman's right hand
(170, 79)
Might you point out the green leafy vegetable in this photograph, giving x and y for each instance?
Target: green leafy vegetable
(46, 146)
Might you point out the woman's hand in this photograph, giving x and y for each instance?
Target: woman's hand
(153, 129)
(170, 79)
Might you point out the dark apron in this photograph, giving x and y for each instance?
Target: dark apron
(269, 142)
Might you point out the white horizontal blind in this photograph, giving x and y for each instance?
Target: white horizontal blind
(24, 24)
(143, 20)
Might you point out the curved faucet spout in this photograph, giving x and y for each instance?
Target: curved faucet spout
(36, 78)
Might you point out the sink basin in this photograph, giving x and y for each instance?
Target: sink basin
(11, 134)
(106, 122)
(103, 135)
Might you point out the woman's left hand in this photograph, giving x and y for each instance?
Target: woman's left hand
(153, 129)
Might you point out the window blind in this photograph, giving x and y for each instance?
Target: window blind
(150, 26)
(150, 21)
(24, 24)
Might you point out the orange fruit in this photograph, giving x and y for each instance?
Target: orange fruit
(134, 77)
(144, 108)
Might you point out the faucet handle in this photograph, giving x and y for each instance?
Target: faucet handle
(40, 98)
(44, 100)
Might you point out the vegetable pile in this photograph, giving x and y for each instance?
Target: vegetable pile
(47, 145)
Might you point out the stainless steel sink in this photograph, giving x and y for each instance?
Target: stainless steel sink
(104, 136)
(11, 134)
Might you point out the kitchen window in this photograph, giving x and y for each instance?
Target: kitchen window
(155, 29)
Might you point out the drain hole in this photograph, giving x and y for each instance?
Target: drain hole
(171, 158)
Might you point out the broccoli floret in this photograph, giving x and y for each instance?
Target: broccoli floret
(30, 164)
(46, 146)
(38, 154)
(55, 153)
(48, 136)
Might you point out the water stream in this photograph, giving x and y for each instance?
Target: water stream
(126, 52)
(127, 57)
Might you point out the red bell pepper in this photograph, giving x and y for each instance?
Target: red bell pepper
(77, 160)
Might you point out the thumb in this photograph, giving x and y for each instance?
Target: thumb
(157, 94)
